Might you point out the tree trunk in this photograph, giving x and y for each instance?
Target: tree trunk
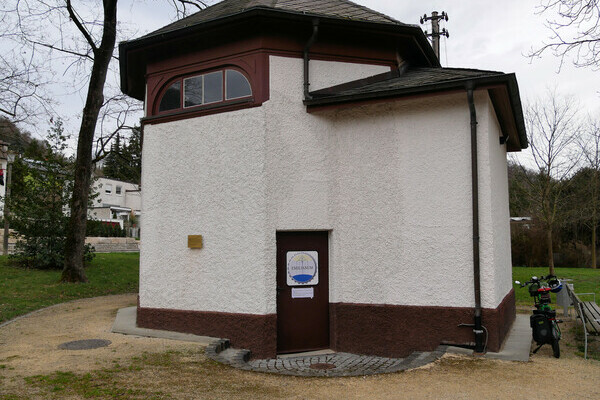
(74, 249)
(550, 252)
(594, 227)
(594, 214)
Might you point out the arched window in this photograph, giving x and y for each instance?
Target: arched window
(214, 87)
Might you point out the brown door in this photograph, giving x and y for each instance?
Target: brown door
(302, 291)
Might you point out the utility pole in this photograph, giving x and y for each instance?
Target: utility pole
(435, 29)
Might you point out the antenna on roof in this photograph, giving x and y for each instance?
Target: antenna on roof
(435, 29)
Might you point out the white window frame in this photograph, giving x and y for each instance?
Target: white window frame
(225, 80)
(224, 98)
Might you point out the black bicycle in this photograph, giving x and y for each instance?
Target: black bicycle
(544, 324)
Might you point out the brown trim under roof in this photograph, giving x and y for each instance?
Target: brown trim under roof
(373, 329)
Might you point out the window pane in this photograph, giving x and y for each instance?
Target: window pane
(237, 85)
(171, 99)
(213, 87)
(192, 90)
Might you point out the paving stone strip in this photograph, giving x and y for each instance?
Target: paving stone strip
(326, 365)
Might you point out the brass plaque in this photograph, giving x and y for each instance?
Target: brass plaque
(195, 241)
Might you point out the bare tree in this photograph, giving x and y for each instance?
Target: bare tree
(81, 37)
(590, 148)
(575, 31)
(102, 54)
(23, 75)
(553, 127)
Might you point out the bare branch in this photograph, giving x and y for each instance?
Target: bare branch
(67, 51)
(181, 6)
(80, 26)
(574, 31)
(7, 112)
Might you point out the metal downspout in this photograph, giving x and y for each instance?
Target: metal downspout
(309, 44)
(477, 329)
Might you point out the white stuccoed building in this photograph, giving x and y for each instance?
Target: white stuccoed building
(310, 182)
(4, 168)
(116, 201)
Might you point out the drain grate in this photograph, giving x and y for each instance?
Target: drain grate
(86, 344)
(322, 366)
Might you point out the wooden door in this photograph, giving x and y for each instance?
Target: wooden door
(302, 292)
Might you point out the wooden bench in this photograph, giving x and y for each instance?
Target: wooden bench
(588, 312)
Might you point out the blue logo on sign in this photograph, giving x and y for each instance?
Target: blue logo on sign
(302, 278)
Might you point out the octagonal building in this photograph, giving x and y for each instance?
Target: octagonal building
(314, 179)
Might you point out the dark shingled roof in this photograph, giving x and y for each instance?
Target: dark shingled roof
(395, 81)
(340, 9)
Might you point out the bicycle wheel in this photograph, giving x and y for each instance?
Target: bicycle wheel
(555, 339)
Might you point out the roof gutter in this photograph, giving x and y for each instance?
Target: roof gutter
(309, 44)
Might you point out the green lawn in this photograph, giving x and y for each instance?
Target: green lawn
(585, 280)
(25, 290)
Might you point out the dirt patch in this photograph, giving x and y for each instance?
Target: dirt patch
(29, 346)
(139, 368)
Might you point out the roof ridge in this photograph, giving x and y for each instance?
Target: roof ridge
(335, 9)
(373, 11)
(457, 69)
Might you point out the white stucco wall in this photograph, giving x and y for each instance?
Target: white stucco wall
(204, 176)
(497, 278)
(403, 204)
(329, 73)
(391, 182)
(208, 176)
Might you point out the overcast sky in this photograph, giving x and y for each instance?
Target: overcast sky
(492, 35)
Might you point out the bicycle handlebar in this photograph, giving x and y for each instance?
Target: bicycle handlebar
(535, 279)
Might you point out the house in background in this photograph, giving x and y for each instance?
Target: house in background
(117, 201)
(328, 183)
(3, 170)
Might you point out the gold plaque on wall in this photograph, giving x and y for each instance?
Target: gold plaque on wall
(195, 241)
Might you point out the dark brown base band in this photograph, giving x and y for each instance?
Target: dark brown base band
(383, 330)
(257, 333)
(396, 331)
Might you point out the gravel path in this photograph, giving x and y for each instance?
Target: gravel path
(29, 346)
